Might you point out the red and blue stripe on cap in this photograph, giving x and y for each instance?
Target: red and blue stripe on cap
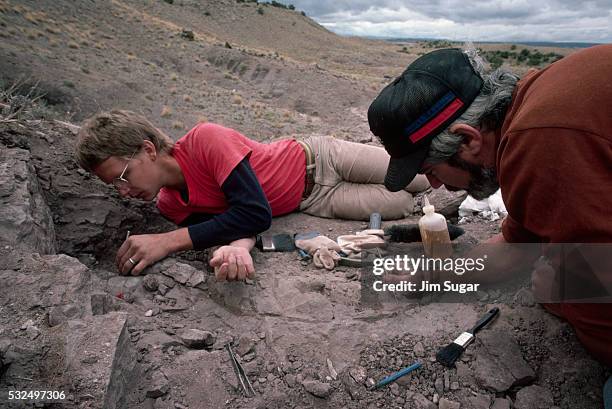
(445, 108)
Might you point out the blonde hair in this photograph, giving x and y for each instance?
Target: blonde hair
(116, 133)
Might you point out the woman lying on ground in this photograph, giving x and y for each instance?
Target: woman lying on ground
(223, 188)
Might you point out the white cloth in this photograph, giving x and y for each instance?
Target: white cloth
(491, 208)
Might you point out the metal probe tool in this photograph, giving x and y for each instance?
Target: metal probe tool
(239, 371)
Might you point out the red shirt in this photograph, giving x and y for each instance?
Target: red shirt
(207, 155)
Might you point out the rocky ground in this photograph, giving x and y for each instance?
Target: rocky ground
(69, 322)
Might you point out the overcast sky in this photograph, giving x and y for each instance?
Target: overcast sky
(494, 20)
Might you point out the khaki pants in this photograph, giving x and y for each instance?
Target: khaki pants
(349, 181)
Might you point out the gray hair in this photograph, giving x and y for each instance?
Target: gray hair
(486, 112)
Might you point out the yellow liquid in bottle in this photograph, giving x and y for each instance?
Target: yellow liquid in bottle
(436, 244)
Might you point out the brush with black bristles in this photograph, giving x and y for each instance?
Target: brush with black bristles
(409, 233)
(448, 355)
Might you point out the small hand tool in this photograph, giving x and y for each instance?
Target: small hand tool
(243, 380)
(448, 355)
(395, 376)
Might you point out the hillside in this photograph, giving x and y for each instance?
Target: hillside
(282, 74)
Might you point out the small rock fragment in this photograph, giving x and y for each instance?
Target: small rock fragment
(533, 397)
(90, 359)
(128, 297)
(163, 289)
(150, 283)
(245, 345)
(25, 325)
(159, 385)
(62, 313)
(395, 389)
(290, 380)
(332, 370)
(369, 383)
(197, 339)
(419, 350)
(187, 34)
(439, 385)
(478, 402)
(448, 404)
(317, 388)
(419, 401)
(499, 363)
(197, 277)
(349, 275)
(500, 403)
(524, 297)
(358, 373)
(179, 272)
(249, 357)
(32, 332)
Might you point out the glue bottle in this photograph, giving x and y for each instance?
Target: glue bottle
(434, 233)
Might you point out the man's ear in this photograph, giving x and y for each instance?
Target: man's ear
(472, 141)
(149, 150)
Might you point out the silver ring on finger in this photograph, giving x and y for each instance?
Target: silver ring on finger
(132, 261)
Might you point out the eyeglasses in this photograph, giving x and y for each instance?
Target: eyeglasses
(120, 182)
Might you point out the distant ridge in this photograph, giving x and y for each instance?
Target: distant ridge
(561, 44)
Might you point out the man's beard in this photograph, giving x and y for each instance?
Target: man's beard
(483, 181)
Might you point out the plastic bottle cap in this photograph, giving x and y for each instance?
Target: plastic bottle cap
(427, 208)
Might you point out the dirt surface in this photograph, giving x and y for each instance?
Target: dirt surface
(306, 338)
(304, 335)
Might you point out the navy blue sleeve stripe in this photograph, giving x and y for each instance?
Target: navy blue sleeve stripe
(248, 214)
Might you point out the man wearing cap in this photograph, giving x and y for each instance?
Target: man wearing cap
(545, 140)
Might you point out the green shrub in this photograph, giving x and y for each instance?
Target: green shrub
(278, 4)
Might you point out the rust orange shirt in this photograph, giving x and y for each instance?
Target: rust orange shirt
(554, 159)
(554, 164)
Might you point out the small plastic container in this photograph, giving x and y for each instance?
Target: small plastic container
(434, 233)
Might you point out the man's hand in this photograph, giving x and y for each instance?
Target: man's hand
(232, 263)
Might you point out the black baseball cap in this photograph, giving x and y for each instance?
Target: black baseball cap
(419, 104)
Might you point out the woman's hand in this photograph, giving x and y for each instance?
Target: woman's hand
(232, 263)
(140, 251)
